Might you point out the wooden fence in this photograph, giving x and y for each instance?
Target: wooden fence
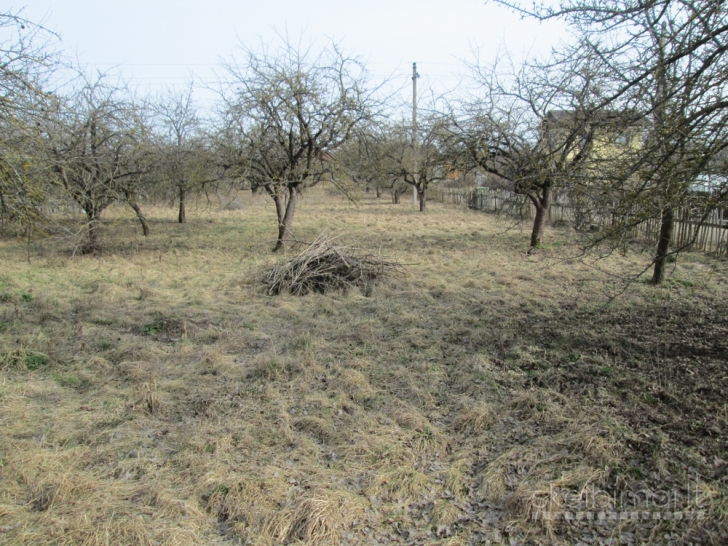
(709, 234)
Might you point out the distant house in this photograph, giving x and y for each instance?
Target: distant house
(608, 134)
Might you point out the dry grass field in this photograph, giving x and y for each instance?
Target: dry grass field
(155, 395)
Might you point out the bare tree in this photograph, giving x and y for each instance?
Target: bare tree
(683, 97)
(96, 140)
(426, 162)
(186, 162)
(537, 128)
(290, 110)
(372, 159)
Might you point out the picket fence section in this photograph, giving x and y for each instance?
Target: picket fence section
(709, 234)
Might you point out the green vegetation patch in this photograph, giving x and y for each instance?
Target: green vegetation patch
(23, 359)
(73, 381)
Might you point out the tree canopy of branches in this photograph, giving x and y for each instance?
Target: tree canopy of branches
(368, 160)
(289, 110)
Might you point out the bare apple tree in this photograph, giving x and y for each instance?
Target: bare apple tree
(375, 156)
(186, 159)
(97, 143)
(290, 109)
(424, 163)
(536, 128)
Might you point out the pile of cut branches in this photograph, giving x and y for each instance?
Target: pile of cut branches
(322, 267)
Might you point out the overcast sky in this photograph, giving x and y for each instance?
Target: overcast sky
(160, 43)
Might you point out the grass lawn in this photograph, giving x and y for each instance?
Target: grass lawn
(156, 395)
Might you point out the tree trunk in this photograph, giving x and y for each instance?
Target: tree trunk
(422, 197)
(663, 246)
(395, 197)
(255, 190)
(542, 204)
(182, 217)
(379, 191)
(140, 215)
(93, 218)
(285, 220)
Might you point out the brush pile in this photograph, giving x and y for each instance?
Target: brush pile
(322, 267)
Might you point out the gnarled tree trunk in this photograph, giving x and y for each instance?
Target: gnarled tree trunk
(542, 203)
(131, 199)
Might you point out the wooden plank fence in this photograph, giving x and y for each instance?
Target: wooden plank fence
(709, 235)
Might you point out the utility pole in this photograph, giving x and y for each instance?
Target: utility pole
(415, 75)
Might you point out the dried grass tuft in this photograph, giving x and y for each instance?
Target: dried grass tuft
(534, 503)
(316, 519)
(323, 267)
(457, 478)
(445, 512)
(599, 448)
(493, 483)
(713, 500)
(356, 385)
(316, 427)
(409, 418)
(385, 450)
(149, 398)
(401, 482)
(427, 440)
(477, 419)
